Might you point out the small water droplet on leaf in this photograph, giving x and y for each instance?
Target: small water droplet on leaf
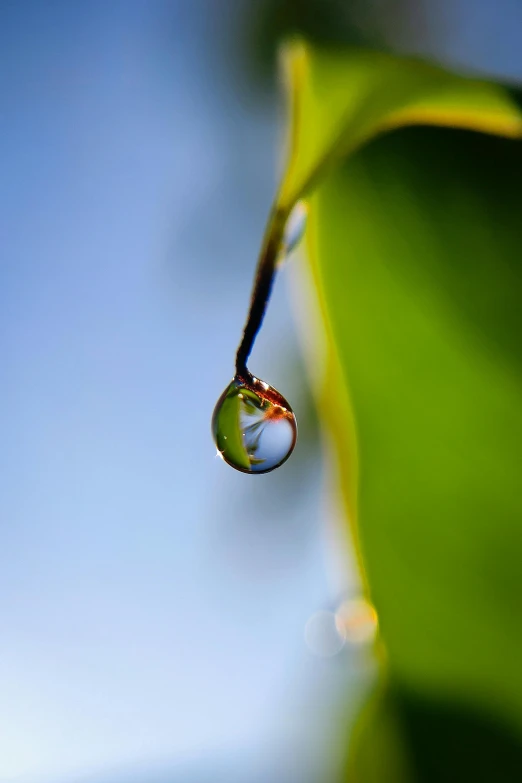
(254, 427)
(322, 635)
(357, 621)
(295, 227)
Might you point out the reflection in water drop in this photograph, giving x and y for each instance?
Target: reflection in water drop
(254, 428)
(295, 227)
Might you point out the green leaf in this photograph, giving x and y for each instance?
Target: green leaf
(414, 239)
(340, 101)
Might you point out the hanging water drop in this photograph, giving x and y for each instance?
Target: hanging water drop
(254, 427)
(295, 227)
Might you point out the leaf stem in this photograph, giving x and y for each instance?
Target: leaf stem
(263, 282)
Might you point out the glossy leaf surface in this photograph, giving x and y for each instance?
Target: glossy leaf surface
(415, 240)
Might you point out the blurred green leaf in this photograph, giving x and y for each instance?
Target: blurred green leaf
(414, 240)
(340, 101)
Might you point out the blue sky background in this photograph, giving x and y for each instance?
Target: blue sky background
(152, 601)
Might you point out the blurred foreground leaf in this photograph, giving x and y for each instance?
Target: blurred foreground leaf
(415, 237)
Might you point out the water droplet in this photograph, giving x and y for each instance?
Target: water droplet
(254, 427)
(323, 636)
(295, 227)
(357, 621)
